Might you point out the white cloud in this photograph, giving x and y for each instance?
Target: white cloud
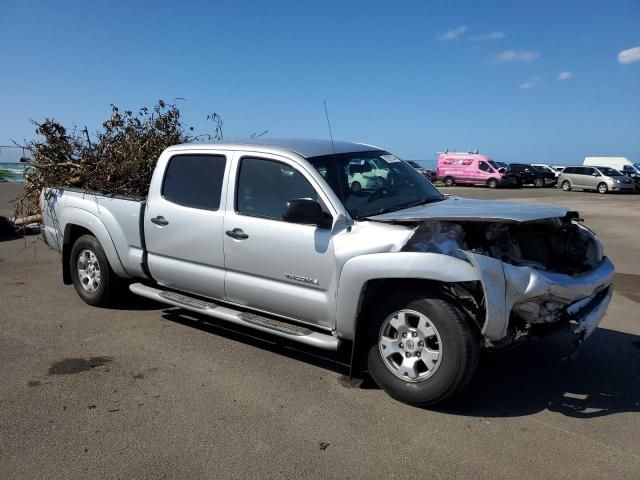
(529, 84)
(565, 76)
(489, 36)
(453, 34)
(631, 55)
(516, 56)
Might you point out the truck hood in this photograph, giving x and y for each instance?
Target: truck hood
(458, 208)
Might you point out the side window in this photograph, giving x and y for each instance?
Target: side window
(194, 180)
(568, 170)
(265, 186)
(484, 167)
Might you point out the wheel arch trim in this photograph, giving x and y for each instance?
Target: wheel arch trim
(359, 271)
(88, 221)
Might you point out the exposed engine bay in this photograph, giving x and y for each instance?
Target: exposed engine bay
(536, 276)
(555, 245)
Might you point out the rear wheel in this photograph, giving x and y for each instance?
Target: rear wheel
(538, 182)
(448, 181)
(422, 351)
(566, 186)
(91, 273)
(492, 183)
(602, 188)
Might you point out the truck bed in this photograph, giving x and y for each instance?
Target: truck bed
(113, 219)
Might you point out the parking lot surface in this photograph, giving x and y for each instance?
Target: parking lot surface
(144, 391)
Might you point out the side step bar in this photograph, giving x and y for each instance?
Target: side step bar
(279, 328)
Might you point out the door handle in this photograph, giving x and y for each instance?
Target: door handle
(160, 220)
(237, 233)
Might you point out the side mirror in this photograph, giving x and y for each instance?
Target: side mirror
(306, 211)
(526, 170)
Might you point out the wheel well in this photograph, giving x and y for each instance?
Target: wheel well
(378, 287)
(71, 234)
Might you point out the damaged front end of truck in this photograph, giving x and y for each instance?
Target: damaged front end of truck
(540, 269)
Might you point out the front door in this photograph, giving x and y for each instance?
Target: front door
(183, 223)
(278, 267)
(590, 180)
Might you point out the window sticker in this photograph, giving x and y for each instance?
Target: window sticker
(390, 158)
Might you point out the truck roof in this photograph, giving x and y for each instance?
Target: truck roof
(305, 147)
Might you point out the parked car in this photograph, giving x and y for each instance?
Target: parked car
(547, 168)
(621, 164)
(525, 174)
(266, 234)
(458, 168)
(601, 179)
(426, 172)
(365, 174)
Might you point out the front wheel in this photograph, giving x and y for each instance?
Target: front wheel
(566, 186)
(91, 273)
(492, 183)
(538, 183)
(422, 350)
(602, 188)
(448, 182)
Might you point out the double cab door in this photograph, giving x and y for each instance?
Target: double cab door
(219, 232)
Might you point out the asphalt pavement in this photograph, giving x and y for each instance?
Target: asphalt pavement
(145, 391)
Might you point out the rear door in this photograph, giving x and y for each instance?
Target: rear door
(279, 267)
(183, 222)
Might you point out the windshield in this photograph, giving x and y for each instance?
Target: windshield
(372, 183)
(609, 172)
(495, 165)
(413, 164)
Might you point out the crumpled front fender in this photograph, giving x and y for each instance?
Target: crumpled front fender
(506, 286)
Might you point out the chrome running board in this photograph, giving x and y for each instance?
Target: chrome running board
(273, 326)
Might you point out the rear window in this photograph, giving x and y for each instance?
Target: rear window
(194, 180)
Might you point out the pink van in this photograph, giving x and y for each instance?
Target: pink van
(471, 169)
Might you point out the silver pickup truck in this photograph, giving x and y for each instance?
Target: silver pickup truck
(275, 235)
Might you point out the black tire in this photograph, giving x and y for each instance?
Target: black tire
(538, 182)
(492, 183)
(460, 347)
(109, 284)
(448, 182)
(566, 186)
(602, 188)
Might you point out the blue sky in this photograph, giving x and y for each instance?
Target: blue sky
(412, 76)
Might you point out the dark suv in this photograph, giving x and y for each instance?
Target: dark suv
(529, 175)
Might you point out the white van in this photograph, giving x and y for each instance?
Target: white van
(623, 164)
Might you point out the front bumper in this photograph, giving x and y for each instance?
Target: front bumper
(622, 187)
(540, 297)
(589, 312)
(507, 182)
